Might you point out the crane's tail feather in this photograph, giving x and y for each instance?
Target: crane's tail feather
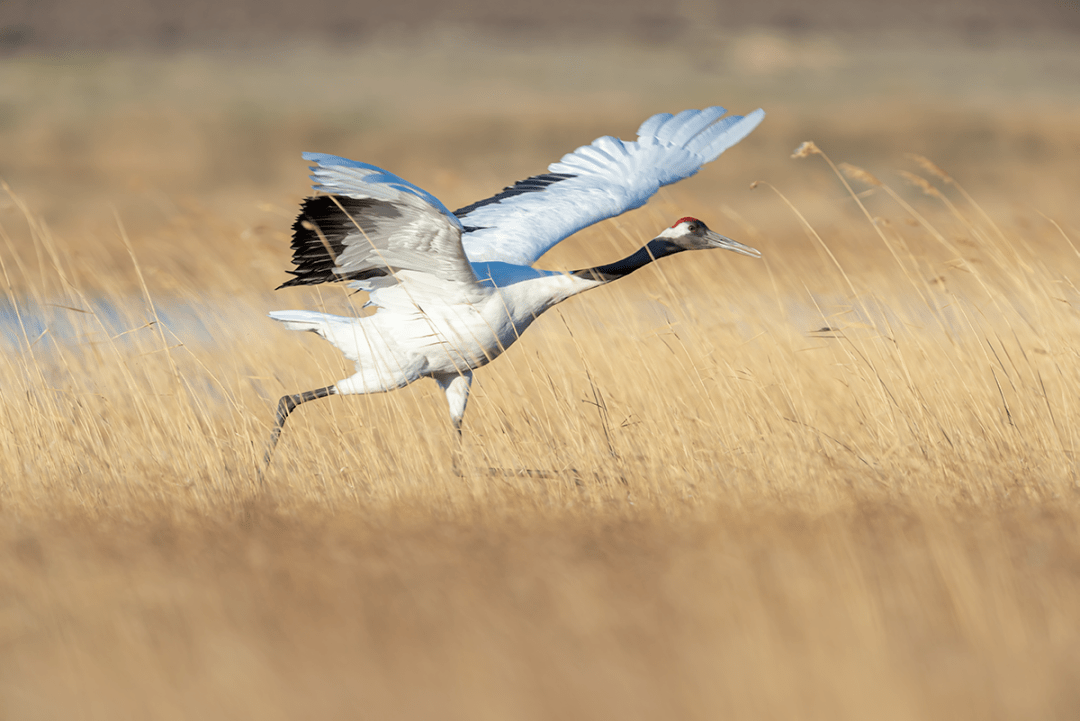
(307, 320)
(345, 334)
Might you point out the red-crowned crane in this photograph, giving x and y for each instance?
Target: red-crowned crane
(455, 289)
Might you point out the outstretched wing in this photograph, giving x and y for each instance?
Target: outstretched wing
(595, 182)
(374, 229)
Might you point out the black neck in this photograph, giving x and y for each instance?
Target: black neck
(655, 248)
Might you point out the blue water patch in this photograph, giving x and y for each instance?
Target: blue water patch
(27, 323)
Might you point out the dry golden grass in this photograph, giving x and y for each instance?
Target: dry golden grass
(837, 483)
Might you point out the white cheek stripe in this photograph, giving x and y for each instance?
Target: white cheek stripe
(679, 231)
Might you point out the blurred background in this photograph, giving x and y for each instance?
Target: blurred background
(772, 520)
(60, 26)
(147, 108)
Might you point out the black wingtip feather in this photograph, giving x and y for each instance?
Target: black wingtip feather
(319, 233)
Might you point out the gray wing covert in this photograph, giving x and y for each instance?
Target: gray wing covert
(370, 228)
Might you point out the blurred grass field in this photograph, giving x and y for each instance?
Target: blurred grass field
(839, 482)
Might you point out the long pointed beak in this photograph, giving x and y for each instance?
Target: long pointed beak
(715, 240)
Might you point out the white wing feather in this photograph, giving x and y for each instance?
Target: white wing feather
(340, 176)
(611, 176)
(406, 236)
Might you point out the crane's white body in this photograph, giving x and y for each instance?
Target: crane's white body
(422, 335)
(454, 290)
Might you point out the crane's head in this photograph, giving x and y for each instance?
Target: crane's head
(691, 234)
(687, 234)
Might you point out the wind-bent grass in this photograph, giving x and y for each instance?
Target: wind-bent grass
(838, 483)
(931, 346)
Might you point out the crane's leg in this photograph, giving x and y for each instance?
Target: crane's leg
(456, 386)
(287, 405)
